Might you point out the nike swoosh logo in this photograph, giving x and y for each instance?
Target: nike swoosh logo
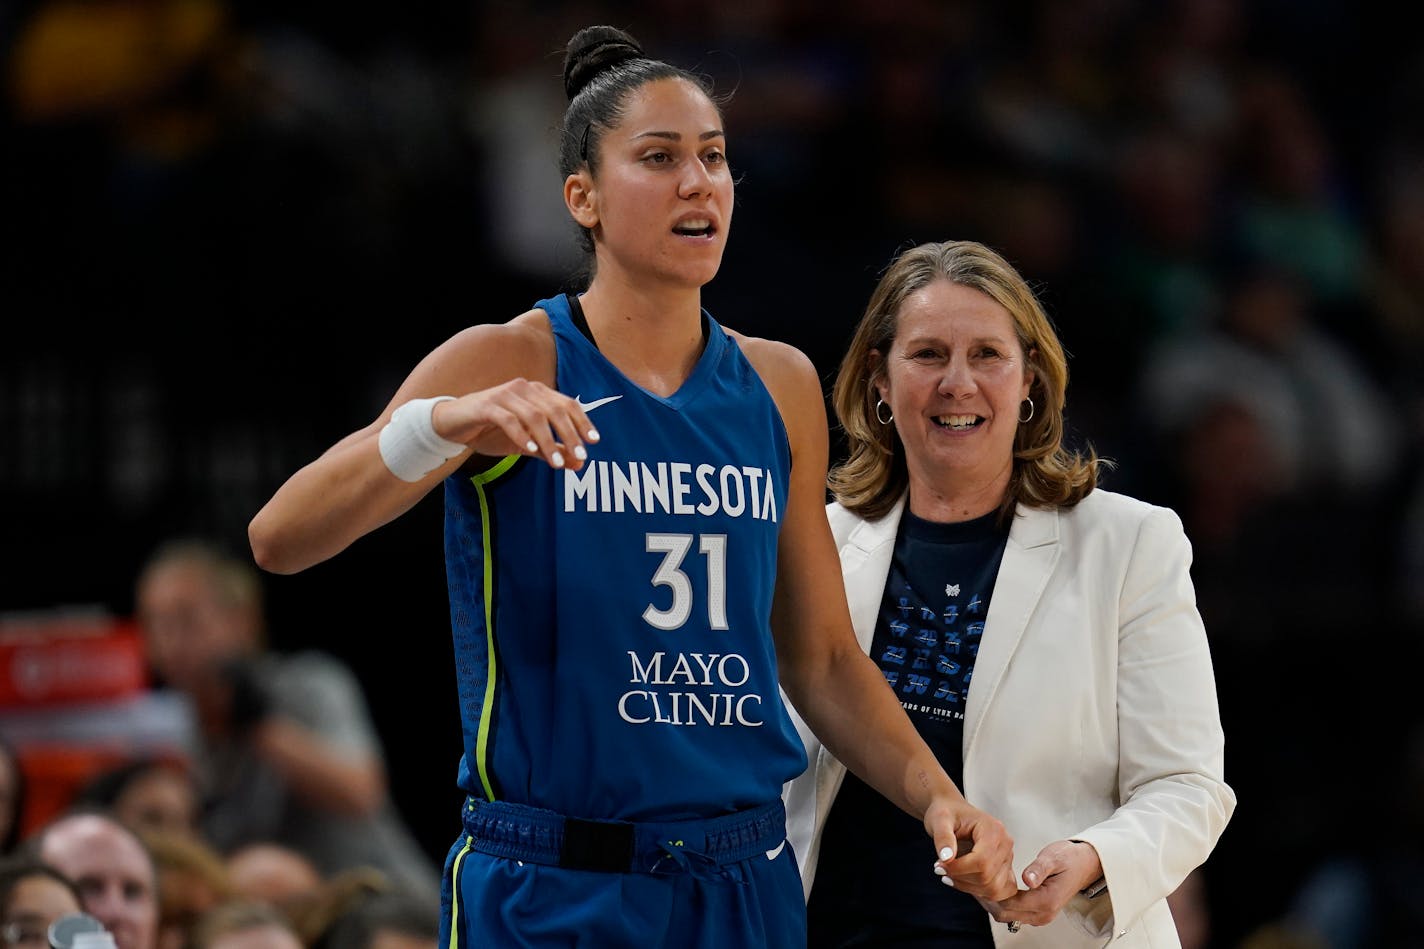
(773, 854)
(590, 406)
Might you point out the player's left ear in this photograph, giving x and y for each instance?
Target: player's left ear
(580, 198)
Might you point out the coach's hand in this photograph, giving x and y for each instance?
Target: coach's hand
(1060, 871)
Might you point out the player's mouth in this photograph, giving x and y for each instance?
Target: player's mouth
(703, 227)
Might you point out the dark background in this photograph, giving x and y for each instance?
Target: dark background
(232, 228)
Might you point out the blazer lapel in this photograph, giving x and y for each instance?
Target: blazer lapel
(865, 563)
(1029, 558)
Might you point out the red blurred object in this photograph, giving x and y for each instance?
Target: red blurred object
(63, 659)
(75, 701)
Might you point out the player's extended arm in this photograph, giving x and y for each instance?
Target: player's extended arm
(502, 377)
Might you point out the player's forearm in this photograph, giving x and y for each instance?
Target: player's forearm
(327, 505)
(860, 721)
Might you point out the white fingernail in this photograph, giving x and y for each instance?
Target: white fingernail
(946, 853)
(946, 881)
(557, 460)
(940, 871)
(580, 454)
(532, 447)
(592, 435)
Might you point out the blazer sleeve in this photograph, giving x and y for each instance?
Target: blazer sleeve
(1174, 798)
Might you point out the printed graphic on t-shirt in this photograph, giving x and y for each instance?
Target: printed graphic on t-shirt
(927, 649)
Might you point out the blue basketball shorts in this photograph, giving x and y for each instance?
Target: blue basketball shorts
(524, 878)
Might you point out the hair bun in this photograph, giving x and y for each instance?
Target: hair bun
(593, 50)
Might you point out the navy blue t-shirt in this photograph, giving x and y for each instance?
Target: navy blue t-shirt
(875, 883)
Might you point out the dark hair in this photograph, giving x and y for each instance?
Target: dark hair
(398, 910)
(11, 838)
(23, 866)
(603, 65)
(105, 788)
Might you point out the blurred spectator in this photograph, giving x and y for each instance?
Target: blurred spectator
(32, 896)
(113, 871)
(316, 914)
(1278, 936)
(1332, 427)
(1168, 195)
(1053, 98)
(1411, 559)
(272, 873)
(239, 925)
(290, 754)
(12, 797)
(1396, 291)
(393, 920)
(1189, 55)
(131, 60)
(1296, 210)
(1396, 279)
(192, 879)
(147, 794)
(514, 116)
(1367, 892)
(1228, 470)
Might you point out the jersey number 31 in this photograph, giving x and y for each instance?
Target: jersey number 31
(674, 548)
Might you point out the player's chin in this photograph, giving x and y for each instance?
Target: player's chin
(693, 277)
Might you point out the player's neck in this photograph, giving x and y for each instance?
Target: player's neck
(653, 337)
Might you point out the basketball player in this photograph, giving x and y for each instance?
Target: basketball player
(636, 544)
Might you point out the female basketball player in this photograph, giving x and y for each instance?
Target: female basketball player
(636, 544)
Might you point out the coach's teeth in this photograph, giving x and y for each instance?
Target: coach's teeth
(958, 421)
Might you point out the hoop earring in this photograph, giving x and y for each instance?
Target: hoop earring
(880, 404)
(1022, 420)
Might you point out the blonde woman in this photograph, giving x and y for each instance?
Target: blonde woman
(1041, 633)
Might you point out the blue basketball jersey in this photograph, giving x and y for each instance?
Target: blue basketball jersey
(612, 625)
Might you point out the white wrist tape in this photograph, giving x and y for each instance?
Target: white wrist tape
(409, 445)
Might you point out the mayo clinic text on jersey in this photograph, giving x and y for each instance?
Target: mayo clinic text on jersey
(709, 674)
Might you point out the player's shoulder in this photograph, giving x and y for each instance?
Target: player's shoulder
(790, 377)
(778, 363)
(530, 329)
(522, 346)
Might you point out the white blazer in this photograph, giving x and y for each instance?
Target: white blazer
(1091, 713)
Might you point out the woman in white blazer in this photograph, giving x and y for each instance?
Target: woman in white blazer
(1079, 708)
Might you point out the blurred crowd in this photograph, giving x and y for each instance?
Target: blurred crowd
(269, 825)
(129, 854)
(232, 228)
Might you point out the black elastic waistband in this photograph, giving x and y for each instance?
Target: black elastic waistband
(535, 835)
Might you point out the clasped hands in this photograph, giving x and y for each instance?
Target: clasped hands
(980, 862)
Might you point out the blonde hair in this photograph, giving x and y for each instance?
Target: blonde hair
(235, 583)
(238, 916)
(874, 474)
